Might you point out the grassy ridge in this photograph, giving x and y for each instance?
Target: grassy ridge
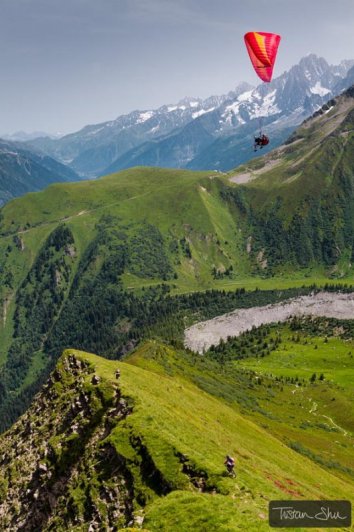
(148, 448)
(172, 416)
(130, 234)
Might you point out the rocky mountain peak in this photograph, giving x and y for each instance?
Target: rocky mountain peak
(180, 135)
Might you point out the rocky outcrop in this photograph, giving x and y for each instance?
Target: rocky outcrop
(56, 472)
(79, 459)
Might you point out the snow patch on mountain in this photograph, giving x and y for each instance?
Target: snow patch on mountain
(318, 89)
(252, 104)
(267, 107)
(202, 112)
(232, 111)
(244, 97)
(145, 116)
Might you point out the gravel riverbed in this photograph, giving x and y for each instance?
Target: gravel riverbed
(201, 336)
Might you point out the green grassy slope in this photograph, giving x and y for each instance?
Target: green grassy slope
(138, 235)
(169, 446)
(156, 212)
(299, 197)
(302, 380)
(180, 204)
(173, 416)
(307, 162)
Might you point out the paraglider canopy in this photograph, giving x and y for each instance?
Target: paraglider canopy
(262, 49)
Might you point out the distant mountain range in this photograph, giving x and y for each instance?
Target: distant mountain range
(215, 133)
(23, 170)
(95, 147)
(23, 136)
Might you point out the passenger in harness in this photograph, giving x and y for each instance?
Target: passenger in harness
(260, 141)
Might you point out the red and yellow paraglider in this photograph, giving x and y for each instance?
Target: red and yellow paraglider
(262, 48)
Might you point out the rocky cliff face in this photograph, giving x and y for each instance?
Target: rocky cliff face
(56, 471)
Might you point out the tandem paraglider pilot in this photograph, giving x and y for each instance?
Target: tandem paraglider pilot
(260, 141)
(262, 49)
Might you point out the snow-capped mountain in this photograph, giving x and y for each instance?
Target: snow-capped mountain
(278, 107)
(294, 95)
(93, 148)
(213, 133)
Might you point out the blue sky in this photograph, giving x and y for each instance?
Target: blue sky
(67, 63)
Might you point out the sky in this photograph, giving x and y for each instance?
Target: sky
(68, 63)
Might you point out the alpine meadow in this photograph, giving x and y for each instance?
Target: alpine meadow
(177, 341)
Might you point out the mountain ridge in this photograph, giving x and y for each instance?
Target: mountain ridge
(111, 449)
(23, 170)
(140, 136)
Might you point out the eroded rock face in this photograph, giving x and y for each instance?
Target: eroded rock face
(54, 474)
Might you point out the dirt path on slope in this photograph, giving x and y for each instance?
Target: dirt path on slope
(7, 302)
(247, 176)
(202, 335)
